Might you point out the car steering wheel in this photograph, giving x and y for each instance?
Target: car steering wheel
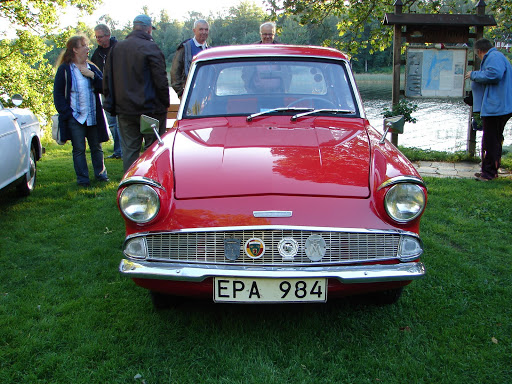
(326, 103)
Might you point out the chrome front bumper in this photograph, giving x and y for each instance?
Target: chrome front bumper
(345, 274)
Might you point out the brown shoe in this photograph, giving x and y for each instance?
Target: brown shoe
(479, 174)
(481, 178)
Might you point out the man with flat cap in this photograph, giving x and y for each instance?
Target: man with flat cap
(134, 84)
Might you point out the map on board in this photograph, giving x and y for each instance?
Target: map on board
(432, 72)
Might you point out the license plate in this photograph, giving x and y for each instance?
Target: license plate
(262, 290)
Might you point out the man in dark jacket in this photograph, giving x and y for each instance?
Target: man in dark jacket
(105, 43)
(134, 84)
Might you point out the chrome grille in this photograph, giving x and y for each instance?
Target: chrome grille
(208, 247)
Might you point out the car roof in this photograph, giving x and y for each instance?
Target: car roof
(269, 50)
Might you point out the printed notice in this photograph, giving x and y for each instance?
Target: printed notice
(434, 72)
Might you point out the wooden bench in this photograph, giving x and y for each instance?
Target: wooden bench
(172, 112)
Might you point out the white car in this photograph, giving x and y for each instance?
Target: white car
(20, 147)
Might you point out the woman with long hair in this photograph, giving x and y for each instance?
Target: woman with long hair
(76, 90)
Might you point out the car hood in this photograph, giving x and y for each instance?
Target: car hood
(222, 157)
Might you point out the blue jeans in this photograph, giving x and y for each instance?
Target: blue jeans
(79, 132)
(114, 128)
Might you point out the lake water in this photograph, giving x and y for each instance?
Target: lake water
(441, 123)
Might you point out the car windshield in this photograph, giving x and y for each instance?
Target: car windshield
(231, 88)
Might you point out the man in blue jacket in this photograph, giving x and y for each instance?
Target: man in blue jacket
(492, 96)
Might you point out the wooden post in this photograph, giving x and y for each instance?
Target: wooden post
(397, 50)
(471, 143)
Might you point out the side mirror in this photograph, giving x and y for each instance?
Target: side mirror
(393, 124)
(17, 99)
(149, 125)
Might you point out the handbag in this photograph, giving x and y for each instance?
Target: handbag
(469, 98)
(55, 118)
(56, 130)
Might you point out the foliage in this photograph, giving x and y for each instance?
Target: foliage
(417, 154)
(502, 11)
(67, 316)
(41, 16)
(355, 16)
(239, 26)
(24, 71)
(506, 158)
(24, 67)
(168, 35)
(403, 107)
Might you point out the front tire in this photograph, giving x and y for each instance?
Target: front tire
(28, 182)
(386, 297)
(164, 301)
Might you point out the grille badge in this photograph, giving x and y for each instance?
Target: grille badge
(288, 248)
(232, 248)
(254, 248)
(315, 247)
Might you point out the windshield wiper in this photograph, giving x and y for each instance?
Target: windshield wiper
(273, 110)
(326, 110)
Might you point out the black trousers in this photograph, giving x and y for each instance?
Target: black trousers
(492, 144)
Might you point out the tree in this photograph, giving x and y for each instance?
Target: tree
(355, 15)
(24, 68)
(168, 35)
(291, 32)
(240, 26)
(41, 16)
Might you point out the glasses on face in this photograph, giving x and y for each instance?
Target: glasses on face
(100, 37)
(267, 34)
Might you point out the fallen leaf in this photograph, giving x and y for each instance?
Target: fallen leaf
(494, 340)
(405, 329)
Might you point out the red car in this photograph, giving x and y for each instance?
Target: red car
(272, 187)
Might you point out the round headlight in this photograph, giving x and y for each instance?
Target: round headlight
(139, 203)
(404, 202)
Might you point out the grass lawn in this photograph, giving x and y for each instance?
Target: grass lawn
(67, 316)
